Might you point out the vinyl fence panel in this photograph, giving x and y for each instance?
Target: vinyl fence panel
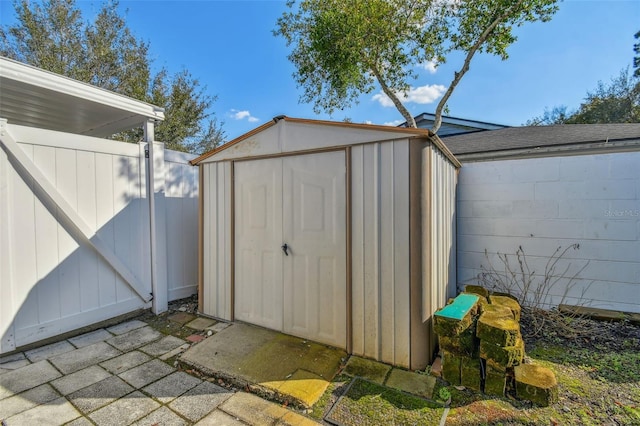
(74, 232)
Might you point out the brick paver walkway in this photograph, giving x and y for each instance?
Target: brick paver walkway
(122, 375)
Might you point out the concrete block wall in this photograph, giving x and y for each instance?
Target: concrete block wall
(543, 203)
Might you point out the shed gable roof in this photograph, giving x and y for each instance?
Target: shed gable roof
(286, 134)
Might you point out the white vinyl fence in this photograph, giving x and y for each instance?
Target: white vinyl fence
(75, 236)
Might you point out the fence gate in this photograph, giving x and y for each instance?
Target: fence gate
(75, 235)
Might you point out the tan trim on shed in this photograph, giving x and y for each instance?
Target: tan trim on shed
(200, 239)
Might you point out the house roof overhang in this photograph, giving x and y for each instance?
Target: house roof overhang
(545, 141)
(33, 97)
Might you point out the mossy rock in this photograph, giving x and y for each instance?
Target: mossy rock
(498, 329)
(536, 383)
(477, 289)
(451, 367)
(508, 302)
(494, 381)
(507, 356)
(451, 327)
(470, 373)
(499, 310)
(464, 344)
(510, 296)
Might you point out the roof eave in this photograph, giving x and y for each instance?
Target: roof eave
(35, 77)
(582, 148)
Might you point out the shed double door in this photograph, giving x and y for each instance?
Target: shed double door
(299, 201)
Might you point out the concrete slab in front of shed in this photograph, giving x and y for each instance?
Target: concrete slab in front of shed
(253, 356)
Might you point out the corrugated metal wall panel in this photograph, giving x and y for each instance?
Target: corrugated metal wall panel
(440, 279)
(217, 240)
(380, 256)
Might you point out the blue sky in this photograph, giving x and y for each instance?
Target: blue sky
(229, 47)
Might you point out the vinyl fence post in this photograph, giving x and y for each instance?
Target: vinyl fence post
(155, 187)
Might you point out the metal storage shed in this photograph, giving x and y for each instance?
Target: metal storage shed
(335, 232)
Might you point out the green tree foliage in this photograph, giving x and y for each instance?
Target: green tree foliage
(615, 102)
(342, 48)
(52, 35)
(636, 59)
(557, 115)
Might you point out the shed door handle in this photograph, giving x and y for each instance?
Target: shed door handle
(284, 248)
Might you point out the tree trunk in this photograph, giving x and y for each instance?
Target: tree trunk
(411, 122)
(465, 66)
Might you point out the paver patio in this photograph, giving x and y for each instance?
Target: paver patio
(117, 376)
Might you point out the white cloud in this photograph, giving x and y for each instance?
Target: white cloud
(383, 99)
(426, 94)
(431, 66)
(241, 115)
(418, 95)
(368, 122)
(394, 123)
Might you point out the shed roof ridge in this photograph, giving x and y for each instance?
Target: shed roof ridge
(284, 118)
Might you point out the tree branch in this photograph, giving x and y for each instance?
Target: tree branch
(465, 66)
(394, 98)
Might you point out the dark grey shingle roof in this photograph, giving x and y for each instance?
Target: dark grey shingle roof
(539, 136)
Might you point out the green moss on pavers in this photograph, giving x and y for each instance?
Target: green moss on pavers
(413, 383)
(451, 367)
(366, 403)
(497, 329)
(470, 373)
(499, 310)
(536, 383)
(477, 289)
(373, 371)
(465, 344)
(507, 356)
(494, 381)
(510, 296)
(508, 302)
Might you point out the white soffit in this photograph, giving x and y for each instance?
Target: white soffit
(33, 97)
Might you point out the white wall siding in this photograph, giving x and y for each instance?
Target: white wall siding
(380, 251)
(216, 193)
(543, 203)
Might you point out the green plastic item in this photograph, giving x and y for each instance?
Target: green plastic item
(460, 306)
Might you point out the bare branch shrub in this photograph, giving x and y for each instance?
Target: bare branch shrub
(535, 292)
